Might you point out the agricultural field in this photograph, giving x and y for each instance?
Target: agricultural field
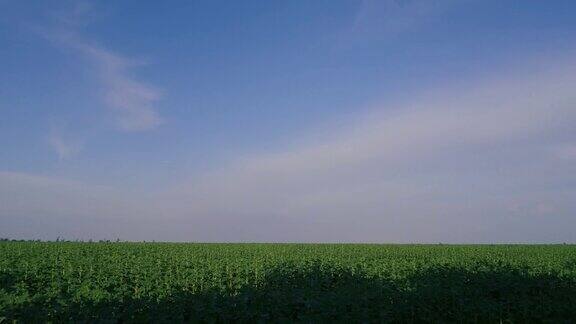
(189, 282)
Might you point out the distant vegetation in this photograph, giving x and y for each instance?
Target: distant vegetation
(166, 282)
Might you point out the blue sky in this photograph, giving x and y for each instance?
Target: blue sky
(340, 121)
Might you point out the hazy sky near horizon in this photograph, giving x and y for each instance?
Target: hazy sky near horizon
(289, 121)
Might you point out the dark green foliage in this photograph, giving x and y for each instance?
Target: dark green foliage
(161, 282)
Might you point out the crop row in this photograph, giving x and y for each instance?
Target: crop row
(169, 282)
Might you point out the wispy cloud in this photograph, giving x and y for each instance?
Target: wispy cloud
(132, 100)
(455, 157)
(462, 165)
(565, 151)
(64, 147)
(381, 19)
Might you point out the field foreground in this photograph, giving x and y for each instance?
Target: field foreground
(169, 282)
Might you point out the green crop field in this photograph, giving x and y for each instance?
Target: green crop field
(169, 282)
